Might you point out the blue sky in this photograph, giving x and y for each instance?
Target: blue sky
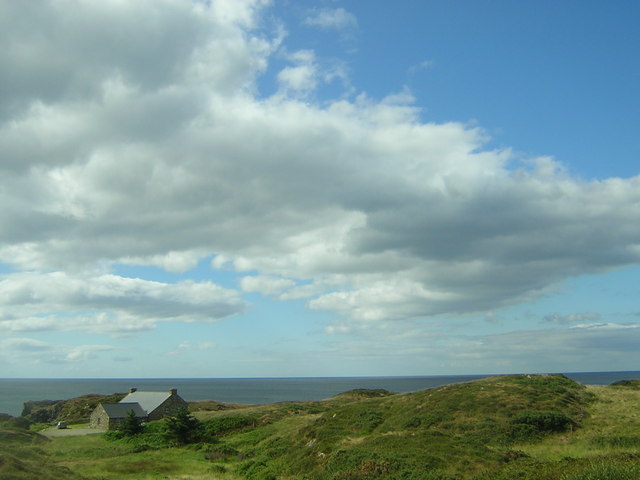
(318, 188)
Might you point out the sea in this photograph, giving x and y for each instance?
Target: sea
(15, 391)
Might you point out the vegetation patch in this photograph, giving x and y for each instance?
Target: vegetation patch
(75, 410)
(616, 441)
(538, 427)
(630, 384)
(23, 455)
(364, 393)
(223, 425)
(532, 424)
(606, 469)
(455, 430)
(131, 466)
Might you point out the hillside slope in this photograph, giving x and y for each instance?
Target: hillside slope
(526, 427)
(22, 457)
(74, 410)
(449, 432)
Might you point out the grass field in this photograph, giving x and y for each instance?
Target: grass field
(500, 428)
(612, 428)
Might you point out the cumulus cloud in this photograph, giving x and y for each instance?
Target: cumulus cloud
(331, 19)
(302, 76)
(25, 345)
(107, 303)
(147, 143)
(265, 284)
(175, 262)
(22, 348)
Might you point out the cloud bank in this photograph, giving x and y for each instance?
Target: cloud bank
(107, 303)
(330, 19)
(131, 141)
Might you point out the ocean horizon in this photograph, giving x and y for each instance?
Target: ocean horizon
(14, 392)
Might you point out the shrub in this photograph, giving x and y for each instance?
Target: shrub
(413, 422)
(600, 470)
(368, 420)
(630, 384)
(220, 452)
(229, 423)
(131, 425)
(113, 435)
(18, 422)
(257, 470)
(533, 423)
(617, 441)
(182, 428)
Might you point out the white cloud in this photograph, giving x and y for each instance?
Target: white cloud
(152, 147)
(107, 303)
(265, 284)
(560, 349)
(424, 65)
(176, 262)
(86, 352)
(302, 77)
(187, 346)
(25, 345)
(22, 349)
(331, 19)
(571, 318)
(384, 299)
(196, 346)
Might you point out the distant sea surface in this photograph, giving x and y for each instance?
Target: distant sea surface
(14, 392)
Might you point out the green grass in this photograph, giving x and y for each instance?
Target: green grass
(452, 432)
(75, 410)
(629, 384)
(538, 427)
(23, 456)
(95, 457)
(612, 428)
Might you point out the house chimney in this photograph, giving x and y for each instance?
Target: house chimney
(174, 391)
(133, 389)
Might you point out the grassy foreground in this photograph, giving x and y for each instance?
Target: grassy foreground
(501, 428)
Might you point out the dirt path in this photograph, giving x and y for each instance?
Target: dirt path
(70, 432)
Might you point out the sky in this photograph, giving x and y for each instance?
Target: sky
(234, 188)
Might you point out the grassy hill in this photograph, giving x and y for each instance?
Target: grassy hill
(75, 410)
(509, 427)
(23, 456)
(455, 431)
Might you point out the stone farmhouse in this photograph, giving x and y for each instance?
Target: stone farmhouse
(109, 415)
(146, 406)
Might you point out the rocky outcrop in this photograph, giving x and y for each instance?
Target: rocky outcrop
(74, 410)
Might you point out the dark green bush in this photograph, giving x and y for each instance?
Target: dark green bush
(603, 470)
(368, 420)
(18, 422)
(219, 426)
(413, 422)
(131, 425)
(533, 423)
(182, 428)
(619, 441)
(220, 452)
(256, 470)
(629, 384)
(113, 435)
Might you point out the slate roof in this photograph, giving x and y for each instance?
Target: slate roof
(121, 410)
(149, 401)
